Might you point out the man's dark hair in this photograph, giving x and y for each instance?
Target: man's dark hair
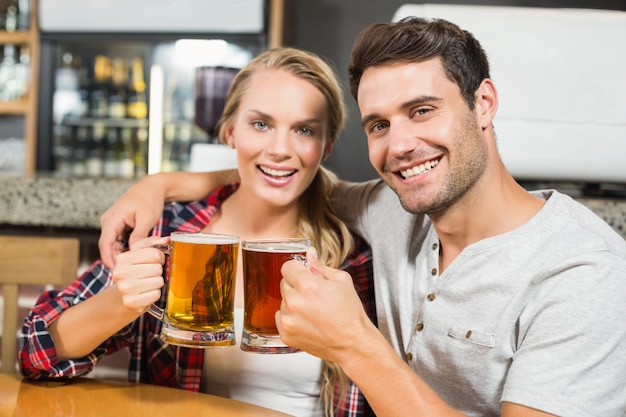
(415, 39)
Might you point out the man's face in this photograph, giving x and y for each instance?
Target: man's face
(423, 139)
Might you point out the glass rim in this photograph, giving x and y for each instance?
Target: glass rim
(278, 239)
(290, 243)
(203, 237)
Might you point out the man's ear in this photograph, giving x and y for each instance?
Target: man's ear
(486, 103)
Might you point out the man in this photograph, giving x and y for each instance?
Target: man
(498, 301)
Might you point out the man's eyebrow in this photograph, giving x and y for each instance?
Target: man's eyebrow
(418, 100)
(365, 120)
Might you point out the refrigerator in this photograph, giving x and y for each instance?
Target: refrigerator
(129, 87)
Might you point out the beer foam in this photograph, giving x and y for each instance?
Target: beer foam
(278, 247)
(204, 238)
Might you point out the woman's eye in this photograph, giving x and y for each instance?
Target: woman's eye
(305, 131)
(259, 125)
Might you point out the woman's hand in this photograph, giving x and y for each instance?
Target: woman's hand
(138, 273)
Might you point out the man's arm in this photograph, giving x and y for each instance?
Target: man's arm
(321, 314)
(141, 206)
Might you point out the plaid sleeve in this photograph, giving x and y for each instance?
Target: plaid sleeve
(359, 266)
(37, 354)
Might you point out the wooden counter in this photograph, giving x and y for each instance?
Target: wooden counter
(89, 397)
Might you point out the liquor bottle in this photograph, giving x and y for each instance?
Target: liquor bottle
(137, 108)
(10, 19)
(117, 93)
(126, 154)
(140, 142)
(81, 145)
(111, 153)
(63, 150)
(99, 100)
(8, 87)
(84, 86)
(95, 151)
(22, 70)
(23, 18)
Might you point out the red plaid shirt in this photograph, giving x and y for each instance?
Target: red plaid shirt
(152, 360)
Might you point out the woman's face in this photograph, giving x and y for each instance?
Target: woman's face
(280, 134)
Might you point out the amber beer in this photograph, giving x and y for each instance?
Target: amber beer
(200, 298)
(262, 260)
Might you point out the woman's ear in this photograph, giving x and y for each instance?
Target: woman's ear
(328, 148)
(229, 136)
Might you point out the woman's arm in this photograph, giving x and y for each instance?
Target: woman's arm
(138, 281)
(139, 208)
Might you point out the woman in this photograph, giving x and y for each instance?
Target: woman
(282, 115)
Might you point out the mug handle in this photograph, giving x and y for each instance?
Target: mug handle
(153, 309)
(302, 259)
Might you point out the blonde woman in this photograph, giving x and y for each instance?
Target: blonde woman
(283, 112)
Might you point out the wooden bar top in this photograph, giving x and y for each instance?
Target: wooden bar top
(86, 397)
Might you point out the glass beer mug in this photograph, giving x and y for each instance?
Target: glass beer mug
(262, 260)
(200, 304)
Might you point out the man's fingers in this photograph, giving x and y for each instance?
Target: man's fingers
(140, 231)
(150, 242)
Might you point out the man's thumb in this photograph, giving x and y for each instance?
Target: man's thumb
(315, 266)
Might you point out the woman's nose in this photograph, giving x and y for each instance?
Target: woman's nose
(279, 143)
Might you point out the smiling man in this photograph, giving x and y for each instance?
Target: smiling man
(491, 300)
(499, 301)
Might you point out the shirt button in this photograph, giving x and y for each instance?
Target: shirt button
(431, 296)
(409, 356)
(435, 246)
(419, 327)
(468, 334)
(433, 271)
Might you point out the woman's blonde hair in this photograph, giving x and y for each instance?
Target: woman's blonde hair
(317, 221)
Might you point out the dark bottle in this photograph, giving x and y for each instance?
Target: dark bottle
(81, 146)
(137, 108)
(63, 150)
(112, 153)
(126, 154)
(84, 86)
(23, 18)
(99, 100)
(117, 93)
(95, 151)
(140, 142)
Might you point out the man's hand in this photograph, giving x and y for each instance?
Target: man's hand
(132, 217)
(321, 312)
(141, 207)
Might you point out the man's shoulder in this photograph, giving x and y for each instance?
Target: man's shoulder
(579, 227)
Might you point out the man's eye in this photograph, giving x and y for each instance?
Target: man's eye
(422, 111)
(376, 127)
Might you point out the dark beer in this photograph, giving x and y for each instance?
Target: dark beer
(262, 261)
